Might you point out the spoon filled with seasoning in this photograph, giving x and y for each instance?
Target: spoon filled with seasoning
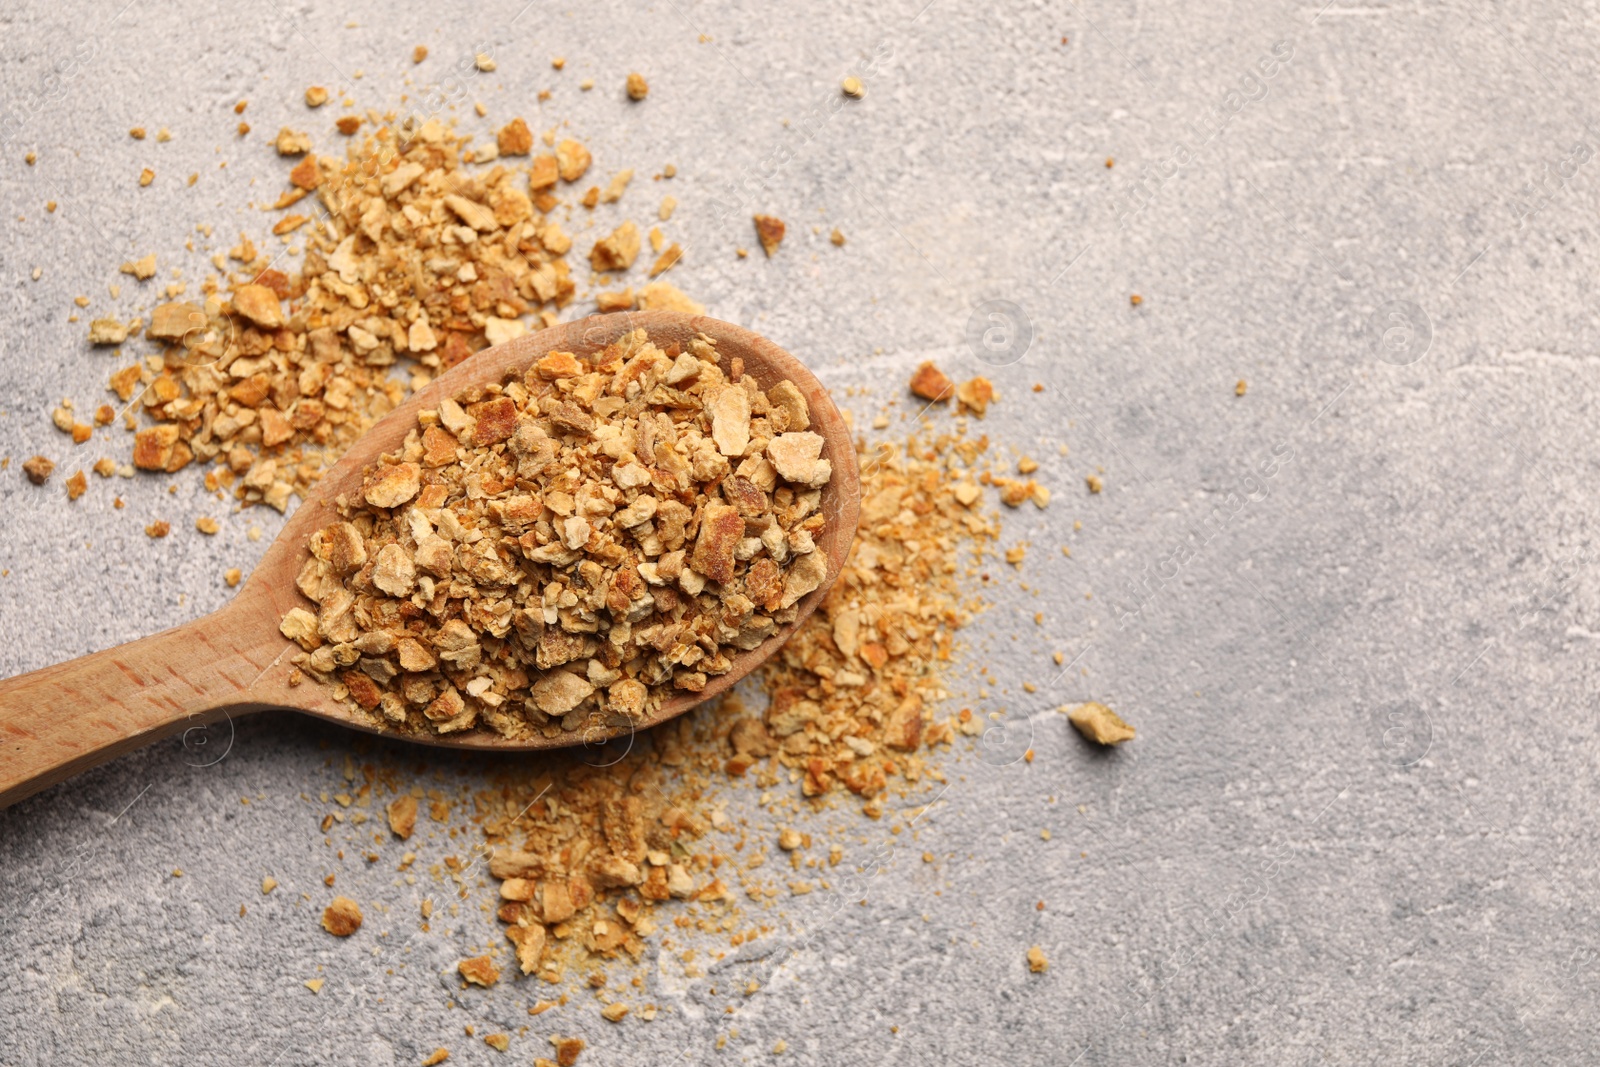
(567, 537)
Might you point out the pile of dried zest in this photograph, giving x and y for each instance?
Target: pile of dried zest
(416, 258)
(585, 853)
(567, 548)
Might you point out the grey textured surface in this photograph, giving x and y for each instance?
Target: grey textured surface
(1351, 829)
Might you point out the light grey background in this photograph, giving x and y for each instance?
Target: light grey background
(1352, 828)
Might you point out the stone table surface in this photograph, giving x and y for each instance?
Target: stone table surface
(1353, 612)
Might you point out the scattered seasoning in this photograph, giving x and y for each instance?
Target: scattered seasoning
(849, 715)
(538, 519)
(769, 230)
(1099, 724)
(342, 917)
(307, 409)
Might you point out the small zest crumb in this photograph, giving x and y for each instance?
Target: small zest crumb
(419, 53)
(931, 383)
(137, 133)
(614, 1012)
(1239, 389)
(316, 96)
(146, 176)
(1094, 483)
(484, 62)
(268, 884)
(567, 1048)
(479, 970)
(837, 237)
(342, 917)
(402, 812)
(1099, 724)
(77, 485)
(769, 230)
(159, 528)
(498, 1042)
(1135, 299)
(853, 88)
(975, 395)
(314, 984)
(231, 576)
(1036, 961)
(638, 88)
(439, 1055)
(206, 525)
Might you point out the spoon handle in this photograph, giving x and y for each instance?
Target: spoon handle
(67, 718)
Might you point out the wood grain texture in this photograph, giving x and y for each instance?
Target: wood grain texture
(64, 719)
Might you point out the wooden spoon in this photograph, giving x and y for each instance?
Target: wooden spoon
(67, 718)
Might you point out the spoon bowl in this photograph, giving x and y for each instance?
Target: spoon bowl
(64, 719)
